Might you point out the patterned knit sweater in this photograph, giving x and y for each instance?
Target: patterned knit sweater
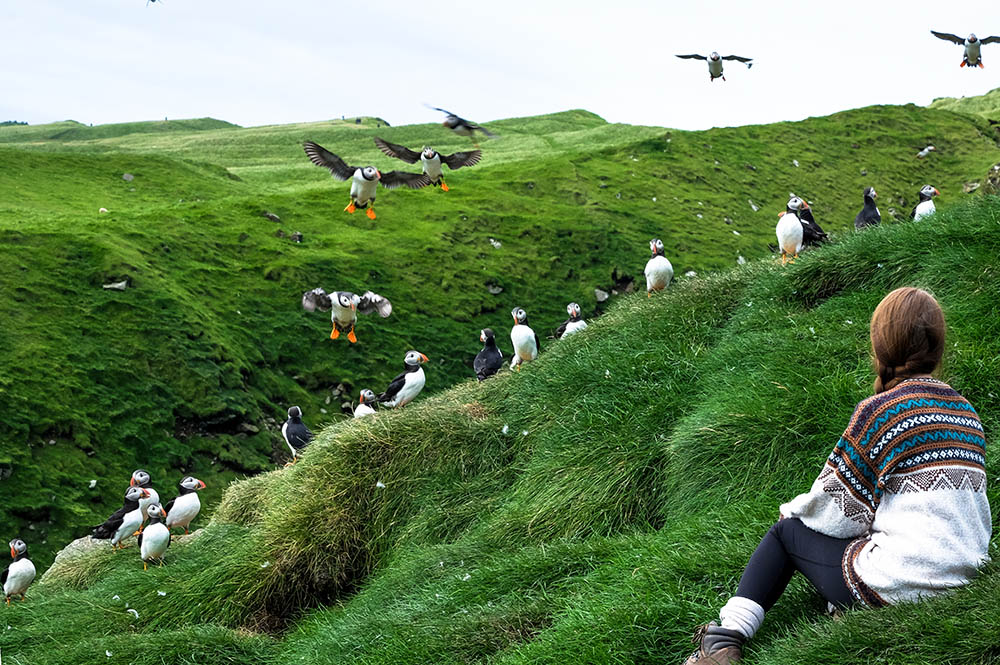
(907, 481)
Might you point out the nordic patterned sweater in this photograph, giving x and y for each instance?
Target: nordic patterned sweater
(907, 481)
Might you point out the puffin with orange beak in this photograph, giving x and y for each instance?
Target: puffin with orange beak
(345, 307)
(364, 179)
(365, 402)
(490, 359)
(407, 385)
(186, 506)
(523, 339)
(20, 573)
(141, 478)
(812, 234)
(972, 44)
(926, 205)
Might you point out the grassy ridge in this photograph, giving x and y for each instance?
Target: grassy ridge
(987, 106)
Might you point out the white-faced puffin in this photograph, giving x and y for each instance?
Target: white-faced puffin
(364, 179)
(658, 270)
(489, 360)
(141, 478)
(186, 506)
(431, 159)
(789, 231)
(714, 61)
(812, 234)
(461, 126)
(155, 538)
(124, 521)
(19, 575)
(345, 307)
(869, 215)
(574, 323)
(926, 205)
(524, 340)
(971, 43)
(407, 385)
(295, 432)
(364, 407)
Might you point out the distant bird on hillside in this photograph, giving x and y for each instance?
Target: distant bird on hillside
(364, 408)
(364, 179)
(926, 151)
(573, 324)
(926, 205)
(461, 126)
(155, 539)
(812, 234)
(345, 307)
(19, 575)
(658, 270)
(972, 45)
(295, 433)
(524, 340)
(869, 215)
(489, 360)
(431, 159)
(790, 232)
(714, 61)
(406, 386)
(186, 506)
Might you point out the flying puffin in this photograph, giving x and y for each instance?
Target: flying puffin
(524, 340)
(345, 306)
(812, 234)
(296, 434)
(364, 179)
(124, 521)
(407, 385)
(364, 408)
(790, 231)
(658, 271)
(431, 159)
(185, 507)
(490, 359)
(715, 62)
(869, 215)
(926, 205)
(461, 126)
(573, 324)
(971, 44)
(20, 573)
(155, 539)
(141, 478)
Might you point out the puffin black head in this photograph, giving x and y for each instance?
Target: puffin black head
(656, 247)
(795, 204)
(414, 358)
(573, 309)
(140, 478)
(18, 549)
(714, 55)
(870, 193)
(155, 512)
(452, 121)
(294, 412)
(926, 192)
(371, 173)
(429, 153)
(346, 300)
(367, 397)
(133, 494)
(520, 316)
(971, 38)
(191, 484)
(486, 334)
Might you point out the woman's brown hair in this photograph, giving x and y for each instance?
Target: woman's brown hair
(907, 331)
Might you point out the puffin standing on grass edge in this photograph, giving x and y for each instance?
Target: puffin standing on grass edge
(524, 340)
(155, 539)
(141, 478)
(364, 408)
(430, 159)
(490, 359)
(186, 506)
(573, 324)
(19, 575)
(658, 270)
(812, 234)
(295, 433)
(790, 232)
(407, 385)
(869, 215)
(124, 521)
(345, 307)
(926, 205)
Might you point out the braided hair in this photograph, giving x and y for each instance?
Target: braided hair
(907, 332)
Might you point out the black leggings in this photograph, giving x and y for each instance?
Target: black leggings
(789, 546)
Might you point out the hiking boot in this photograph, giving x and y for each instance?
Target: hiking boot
(716, 646)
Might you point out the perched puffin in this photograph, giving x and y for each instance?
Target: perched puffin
(658, 271)
(715, 62)
(185, 507)
(490, 359)
(141, 478)
(574, 323)
(345, 306)
(869, 215)
(364, 179)
(364, 408)
(926, 151)
(461, 126)
(407, 385)
(124, 521)
(926, 205)
(789, 231)
(971, 43)
(431, 159)
(20, 573)
(524, 340)
(296, 434)
(812, 234)
(155, 539)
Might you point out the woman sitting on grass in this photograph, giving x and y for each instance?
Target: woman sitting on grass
(899, 511)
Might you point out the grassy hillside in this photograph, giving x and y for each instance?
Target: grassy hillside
(71, 130)
(191, 369)
(591, 508)
(987, 106)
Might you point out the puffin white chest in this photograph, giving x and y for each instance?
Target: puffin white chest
(146, 502)
(20, 574)
(924, 208)
(522, 338)
(185, 509)
(432, 167)
(363, 191)
(343, 317)
(972, 52)
(574, 327)
(789, 233)
(363, 410)
(715, 68)
(155, 541)
(131, 522)
(659, 272)
(413, 383)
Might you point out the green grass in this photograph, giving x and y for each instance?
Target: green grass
(987, 106)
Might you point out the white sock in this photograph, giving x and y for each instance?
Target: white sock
(743, 615)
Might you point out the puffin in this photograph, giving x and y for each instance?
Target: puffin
(407, 385)
(19, 575)
(812, 234)
(364, 408)
(295, 432)
(971, 43)
(714, 61)
(431, 159)
(869, 215)
(364, 179)
(926, 151)
(461, 126)
(154, 541)
(185, 507)
(524, 340)
(790, 232)
(658, 271)
(345, 307)
(141, 478)
(926, 205)
(573, 324)
(124, 521)
(490, 359)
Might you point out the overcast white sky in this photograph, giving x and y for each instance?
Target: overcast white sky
(254, 62)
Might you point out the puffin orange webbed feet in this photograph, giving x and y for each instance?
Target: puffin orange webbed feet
(351, 337)
(444, 186)
(371, 213)
(335, 334)
(350, 208)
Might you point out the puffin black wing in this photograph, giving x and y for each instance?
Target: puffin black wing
(460, 159)
(139, 542)
(394, 179)
(320, 156)
(990, 40)
(562, 328)
(948, 37)
(812, 234)
(397, 151)
(110, 525)
(487, 363)
(394, 387)
(169, 505)
(373, 302)
(298, 435)
(538, 345)
(736, 57)
(316, 299)
(692, 56)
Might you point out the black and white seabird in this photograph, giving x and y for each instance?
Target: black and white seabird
(524, 340)
(869, 215)
(490, 359)
(296, 434)
(573, 324)
(186, 506)
(18, 576)
(461, 126)
(155, 538)
(364, 179)
(431, 159)
(789, 231)
(124, 522)
(972, 57)
(926, 205)
(714, 61)
(345, 307)
(365, 407)
(658, 270)
(407, 385)
(141, 478)
(812, 234)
